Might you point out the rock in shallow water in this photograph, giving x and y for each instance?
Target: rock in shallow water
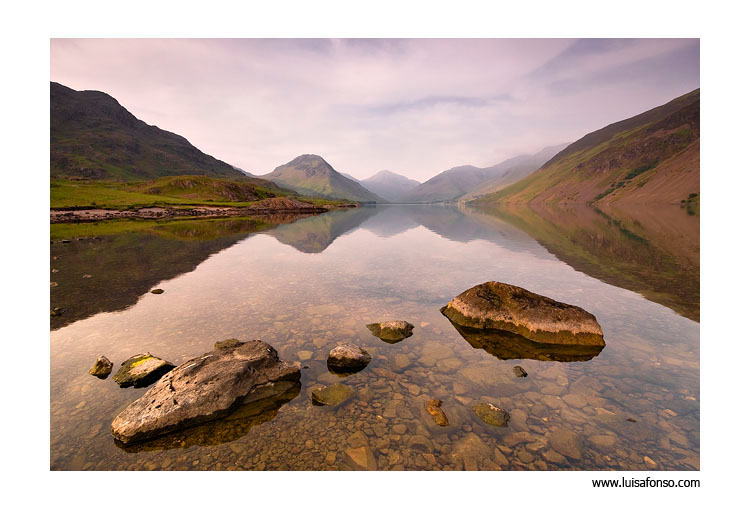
(391, 331)
(503, 307)
(491, 415)
(102, 367)
(433, 407)
(141, 370)
(203, 389)
(348, 357)
(519, 371)
(331, 395)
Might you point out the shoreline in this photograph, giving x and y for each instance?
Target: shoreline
(263, 207)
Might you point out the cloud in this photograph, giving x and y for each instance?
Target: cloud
(414, 106)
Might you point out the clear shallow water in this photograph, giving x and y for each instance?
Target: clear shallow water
(306, 285)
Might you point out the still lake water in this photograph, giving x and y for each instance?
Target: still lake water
(305, 285)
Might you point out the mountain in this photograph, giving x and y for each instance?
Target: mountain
(389, 185)
(92, 136)
(465, 182)
(650, 158)
(310, 174)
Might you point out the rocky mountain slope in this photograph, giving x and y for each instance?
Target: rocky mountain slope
(650, 158)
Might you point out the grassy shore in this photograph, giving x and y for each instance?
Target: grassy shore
(180, 191)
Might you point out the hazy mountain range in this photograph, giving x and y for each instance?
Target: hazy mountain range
(464, 182)
(652, 157)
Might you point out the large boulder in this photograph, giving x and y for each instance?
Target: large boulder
(391, 331)
(507, 308)
(348, 357)
(204, 389)
(141, 370)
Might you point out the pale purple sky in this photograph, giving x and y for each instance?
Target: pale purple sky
(412, 106)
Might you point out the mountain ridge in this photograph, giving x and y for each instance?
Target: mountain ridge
(653, 157)
(389, 185)
(310, 174)
(92, 136)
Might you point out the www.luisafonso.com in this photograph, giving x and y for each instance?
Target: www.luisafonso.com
(645, 482)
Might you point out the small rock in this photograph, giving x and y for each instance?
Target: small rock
(433, 407)
(331, 458)
(102, 368)
(491, 415)
(649, 462)
(56, 311)
(348, 357)
(87, 276)
(519, 371)
(304, 355)
(331, 395)
(391, 331)
(157, 291)
(141, 370)
(357, 439)
(400, 362)
(399, 428)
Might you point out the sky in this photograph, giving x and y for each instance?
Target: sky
(412, 106)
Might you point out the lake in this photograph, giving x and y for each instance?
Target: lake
(305, 284)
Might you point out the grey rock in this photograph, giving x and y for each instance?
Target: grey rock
(348, 357)
(491, 415)
(519, 371)
(203, 389)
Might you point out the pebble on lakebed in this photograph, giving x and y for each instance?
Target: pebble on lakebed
(491, 415)
(519, 371)
(331, 395)
(157, 291)
(433, 406)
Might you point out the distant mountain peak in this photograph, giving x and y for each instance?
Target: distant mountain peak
(389, 185)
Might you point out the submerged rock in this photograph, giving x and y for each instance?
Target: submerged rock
(102, 367)
(157, 291)
(348, 357)
(498, 306)
(519, 371)
(433, 406)
(491, 415)
(331, 395)
(391, 331)
(203, 389)
(227, 344)
(141, 370)
(361, 458)
(470, 452)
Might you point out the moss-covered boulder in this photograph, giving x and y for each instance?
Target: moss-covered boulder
(331, 395)
(391, 331)
(491, 415)
(102, 368)
(503, 307)
(141, 370)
